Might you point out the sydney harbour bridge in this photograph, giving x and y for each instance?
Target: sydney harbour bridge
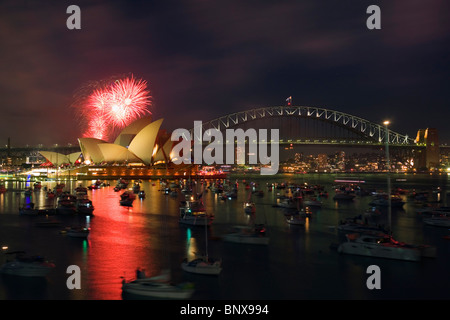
(298, 126)
(311, 125)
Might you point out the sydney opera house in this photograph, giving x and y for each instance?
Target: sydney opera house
(142, 149)
(142, 142)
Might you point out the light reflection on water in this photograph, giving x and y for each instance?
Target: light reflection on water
(297, 264)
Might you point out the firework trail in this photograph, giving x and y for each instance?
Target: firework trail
(111, 104)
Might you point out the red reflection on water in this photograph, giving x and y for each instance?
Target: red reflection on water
(120, 242)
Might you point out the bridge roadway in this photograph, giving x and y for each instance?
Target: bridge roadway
(28, 150)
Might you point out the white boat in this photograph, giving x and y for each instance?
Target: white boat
(249, 207)
(300, 217)
(136, 187)
(296, 220)
(66, 204)
(438, 221)
(382, 200)
(193, 213)
(141, 194)
(383, 246)
(195, 218)
(202, 265)
(312, 202)
(77, 232)
(248, 234)
(157, 287)
(231, 193)
(287, 203)
(191, 206)
(34, 266)
(84, 206)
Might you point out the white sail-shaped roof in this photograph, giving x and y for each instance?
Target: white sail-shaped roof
(89, 148)
(143, 144)
(116, 153)
(58, 158)
(54, 157)
(73, 157)
(129, 132)
(163, 153)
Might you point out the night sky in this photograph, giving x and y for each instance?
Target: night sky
(204, 59)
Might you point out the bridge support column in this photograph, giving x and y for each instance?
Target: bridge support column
(428, 158)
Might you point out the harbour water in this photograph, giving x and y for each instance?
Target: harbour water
(300, 262)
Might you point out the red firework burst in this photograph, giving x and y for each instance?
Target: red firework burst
(97, 128)
(113, 104)
(128, 101)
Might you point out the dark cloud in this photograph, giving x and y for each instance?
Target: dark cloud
(204, 59)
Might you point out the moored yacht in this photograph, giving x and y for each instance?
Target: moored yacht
(249, 207)
(296, 220)
(66, 204)
(312, 202)
(127, 198)
(382, 200)
(384, 246)
(157, 287)
(77, 232)
(248, 234)
(34, 266)
(202, 265)
(286, 202)
(195, 218)
(192, 212)
(84, 206)
(438, 221)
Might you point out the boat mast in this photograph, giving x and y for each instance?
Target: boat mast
(386, 123)
(206, 217)
(206, 236)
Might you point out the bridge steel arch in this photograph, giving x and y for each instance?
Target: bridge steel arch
(373, 131)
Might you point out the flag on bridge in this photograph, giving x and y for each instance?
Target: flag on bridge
(289, 101)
